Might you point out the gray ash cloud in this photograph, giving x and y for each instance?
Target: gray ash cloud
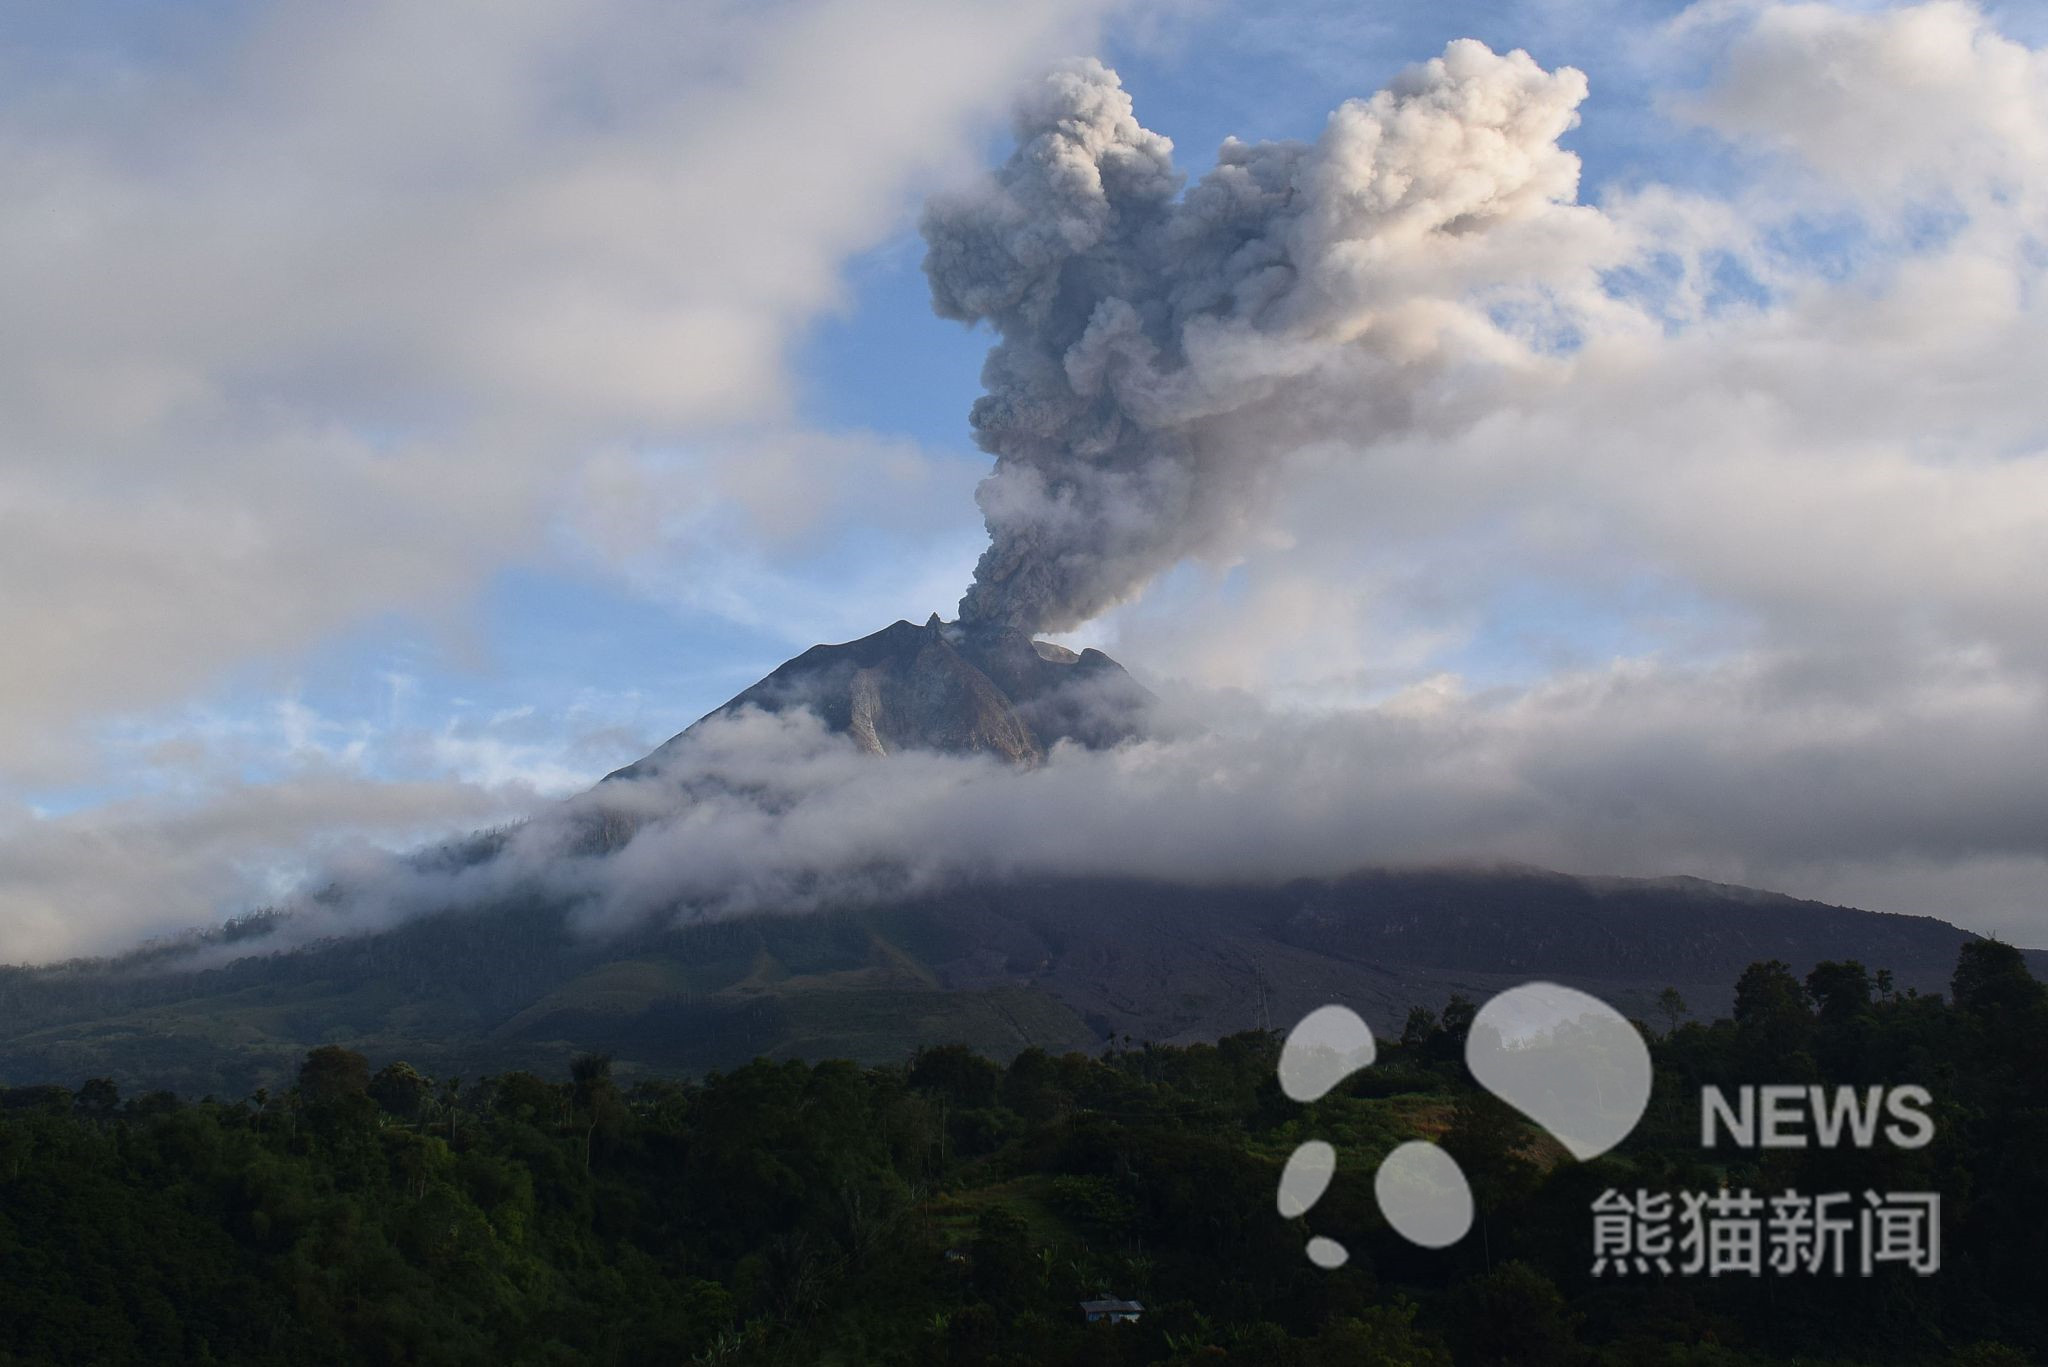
(1159, 352)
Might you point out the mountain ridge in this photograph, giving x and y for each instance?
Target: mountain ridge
(1056, 963)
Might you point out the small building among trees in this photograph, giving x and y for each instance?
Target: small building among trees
(1109, 1310)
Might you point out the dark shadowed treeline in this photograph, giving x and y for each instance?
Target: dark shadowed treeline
(956, 1211)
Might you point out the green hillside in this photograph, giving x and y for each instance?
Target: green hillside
(955, 1210)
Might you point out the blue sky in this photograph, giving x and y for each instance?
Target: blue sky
(575, 644)
(441, 417)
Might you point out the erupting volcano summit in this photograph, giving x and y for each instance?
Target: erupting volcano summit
(950, 687)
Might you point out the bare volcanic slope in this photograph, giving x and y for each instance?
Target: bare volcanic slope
(944, 686)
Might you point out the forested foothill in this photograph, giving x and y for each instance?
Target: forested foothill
(957, 1210)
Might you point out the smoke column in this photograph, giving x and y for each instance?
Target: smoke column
(1159, 354)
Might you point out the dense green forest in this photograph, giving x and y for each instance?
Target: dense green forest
(957, 1210)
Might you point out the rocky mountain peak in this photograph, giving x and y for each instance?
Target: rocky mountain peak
(951, 688)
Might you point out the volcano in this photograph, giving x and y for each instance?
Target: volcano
(509, 978)
(947, 687)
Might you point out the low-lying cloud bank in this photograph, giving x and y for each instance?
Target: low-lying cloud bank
(105, 879)
(1735, 774)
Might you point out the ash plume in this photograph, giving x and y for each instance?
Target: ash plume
(1154, 346)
